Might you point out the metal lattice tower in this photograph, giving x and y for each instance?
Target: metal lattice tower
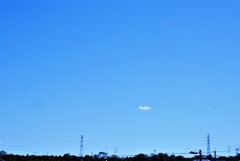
(229, 150)
(81, 148)
(208, 145)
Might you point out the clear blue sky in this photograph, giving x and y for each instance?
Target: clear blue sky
(84, 67)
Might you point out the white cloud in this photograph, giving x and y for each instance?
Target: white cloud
(144, 108)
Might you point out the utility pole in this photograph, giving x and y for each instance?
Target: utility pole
(200, 155)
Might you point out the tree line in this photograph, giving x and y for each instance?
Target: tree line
(102, 156)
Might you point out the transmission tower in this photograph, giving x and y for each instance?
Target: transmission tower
(81, 148)
(115, 151)
(208, 145)
(215, 155)
(229, 150)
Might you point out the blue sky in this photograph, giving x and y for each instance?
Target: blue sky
(72, 68)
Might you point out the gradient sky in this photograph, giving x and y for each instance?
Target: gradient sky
(131, 76)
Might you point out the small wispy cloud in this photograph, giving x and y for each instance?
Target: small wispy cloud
(144, 108)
